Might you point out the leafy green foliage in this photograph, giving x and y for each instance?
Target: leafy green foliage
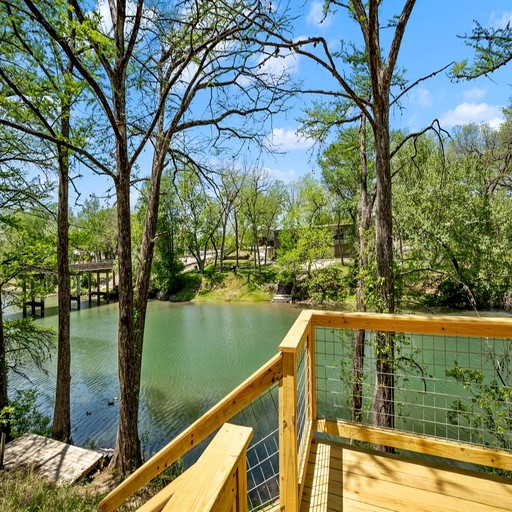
(328, 285)
(24, 415)
(454, 221)
(493, 49)
(27, 344)
(486, 417)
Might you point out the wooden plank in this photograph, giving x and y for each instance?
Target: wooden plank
(348, 478)
(211, 483)
(442, 325)
(445, 480)
(159, 500)
(463, 452)
(296, 336)
(59, 462)
(288, 465)
(230, 405)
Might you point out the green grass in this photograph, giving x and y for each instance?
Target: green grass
(24, 491)
(246, 285)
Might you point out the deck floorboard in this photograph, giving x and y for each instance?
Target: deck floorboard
(343, 478)
(59, 462)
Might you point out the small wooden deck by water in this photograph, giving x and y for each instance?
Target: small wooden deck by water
(59, 462)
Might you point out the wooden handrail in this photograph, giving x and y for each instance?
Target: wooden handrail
(218, 480)
(454, 450)
(221, 412)
(441, 325)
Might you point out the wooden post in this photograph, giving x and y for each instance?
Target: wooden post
(2, 449)
(98, 284)
(78, 292)
(107, 298)
(43, 287)
(288, 465)
(89, 284)
(312, 374)
(24, 298)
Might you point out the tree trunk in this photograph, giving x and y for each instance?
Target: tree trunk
(3, 368)
(61, 429)
(127, 456)
(365, 215)
(237, 249)
(148, 244)
(383, 413)
(223, 244)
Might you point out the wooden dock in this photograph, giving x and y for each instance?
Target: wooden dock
(59, 462)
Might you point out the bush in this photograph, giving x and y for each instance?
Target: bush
(328, 284)
(24, 415)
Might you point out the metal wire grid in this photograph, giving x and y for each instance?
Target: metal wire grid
(449, 387)
(302, 396)
(262, 414)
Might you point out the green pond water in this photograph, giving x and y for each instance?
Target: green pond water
(193, 356)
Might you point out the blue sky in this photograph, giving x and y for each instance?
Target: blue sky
(431, 42)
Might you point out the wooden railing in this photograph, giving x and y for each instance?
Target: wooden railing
(216, 482)
(294, 369)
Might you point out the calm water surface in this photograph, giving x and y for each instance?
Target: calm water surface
(193, 355)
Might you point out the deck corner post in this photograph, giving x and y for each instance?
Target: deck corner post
(288, 464)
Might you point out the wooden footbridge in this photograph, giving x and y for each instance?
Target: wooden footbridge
(103, 270)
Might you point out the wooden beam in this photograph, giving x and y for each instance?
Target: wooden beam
(288, 464)
(441, 325)
(296, 336)
(448, 449)
(212, 483)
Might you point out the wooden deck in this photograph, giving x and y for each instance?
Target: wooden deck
(342, 478)
(59, 462)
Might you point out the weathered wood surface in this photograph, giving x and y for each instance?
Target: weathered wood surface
(342, 478)
(59, 462)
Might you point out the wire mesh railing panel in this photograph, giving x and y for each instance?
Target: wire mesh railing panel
(449, 387)
(302, 397)
(262, 414)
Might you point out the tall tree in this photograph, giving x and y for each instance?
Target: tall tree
(36, 72)
(154, 72)
(374, 103)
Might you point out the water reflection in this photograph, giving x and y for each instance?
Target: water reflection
(193, 356)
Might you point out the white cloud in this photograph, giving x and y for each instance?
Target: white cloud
(283, 139)
(104, 11)
(277, 67)
(287, 176)
(474, 94)
(467, 113)
(317, 17)
(501, 20)
(422, 97)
